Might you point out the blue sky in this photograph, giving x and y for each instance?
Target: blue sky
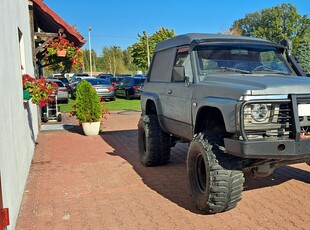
(118, 22)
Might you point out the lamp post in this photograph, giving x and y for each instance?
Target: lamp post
(147, 50)
(89, 47)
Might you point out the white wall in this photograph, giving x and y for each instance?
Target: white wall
(18, 120)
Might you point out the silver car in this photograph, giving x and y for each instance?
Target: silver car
(62, 94)
(104, 88)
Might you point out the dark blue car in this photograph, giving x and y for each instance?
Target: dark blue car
(130, 87)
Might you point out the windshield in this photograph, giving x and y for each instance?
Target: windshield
(240, 59)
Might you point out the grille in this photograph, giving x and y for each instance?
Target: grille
(278, 123)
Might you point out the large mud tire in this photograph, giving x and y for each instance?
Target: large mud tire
(215, 178)
(153, 143)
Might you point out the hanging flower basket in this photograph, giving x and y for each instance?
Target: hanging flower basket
(61, 53)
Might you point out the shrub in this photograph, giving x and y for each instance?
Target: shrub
(87, 107)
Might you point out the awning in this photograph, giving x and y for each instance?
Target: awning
(50, 22)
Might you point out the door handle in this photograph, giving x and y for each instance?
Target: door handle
(170, 91)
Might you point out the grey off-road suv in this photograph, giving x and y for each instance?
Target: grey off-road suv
(242, 103)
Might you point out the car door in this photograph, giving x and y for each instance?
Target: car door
(179, 96)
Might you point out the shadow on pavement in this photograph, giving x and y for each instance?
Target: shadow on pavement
(279, 176)
(170, 180)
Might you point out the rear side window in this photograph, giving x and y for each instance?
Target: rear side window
(183, 59)
(162, 65)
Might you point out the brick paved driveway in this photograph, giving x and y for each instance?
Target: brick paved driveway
(79, 182)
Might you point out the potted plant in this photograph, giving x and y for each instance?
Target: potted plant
(87, 108)
(38, 90)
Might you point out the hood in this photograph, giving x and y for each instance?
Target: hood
(241, 85)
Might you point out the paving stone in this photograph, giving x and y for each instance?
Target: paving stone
(79, 182)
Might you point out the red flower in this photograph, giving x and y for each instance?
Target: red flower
(39, 90)
(42, 87)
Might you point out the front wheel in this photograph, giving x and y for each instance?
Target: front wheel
(215, 178)
(153, 142)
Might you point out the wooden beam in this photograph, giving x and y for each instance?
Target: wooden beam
(46, 35)
(38, 49)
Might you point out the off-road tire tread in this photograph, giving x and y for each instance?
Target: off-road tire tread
(157, 142)
(226, 176)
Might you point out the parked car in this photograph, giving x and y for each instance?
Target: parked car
(129, 87)
(109, 77)
(55, 75)
(79, 76)
(104, 75)
(125, 75)
(104, 88)
(62, 94)
(115, 81)
(66, 83)
(63, 79)
(75, 80)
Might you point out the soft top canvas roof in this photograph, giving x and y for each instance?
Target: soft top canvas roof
(187, 39)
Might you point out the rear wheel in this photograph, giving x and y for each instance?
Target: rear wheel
(59, 117)
(44, 117)
(153, 143)
(215, 178)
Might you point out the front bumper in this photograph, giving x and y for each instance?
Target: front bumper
(288, 149)
(289, 140)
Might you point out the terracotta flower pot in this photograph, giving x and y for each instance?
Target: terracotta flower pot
(61, 53)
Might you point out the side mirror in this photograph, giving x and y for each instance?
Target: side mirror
(178, 74)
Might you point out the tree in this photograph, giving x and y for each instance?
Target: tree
(112, 59)
(303, 55)
(274, 24)
(139, 50)
(128, 61)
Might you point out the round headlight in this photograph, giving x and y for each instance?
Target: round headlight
(259, 112)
